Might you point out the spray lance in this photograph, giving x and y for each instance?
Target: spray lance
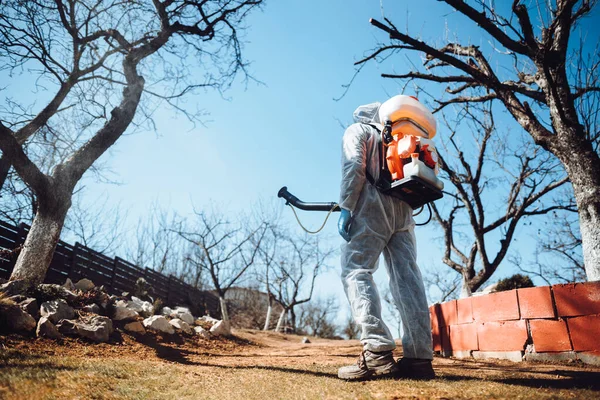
(408, 160)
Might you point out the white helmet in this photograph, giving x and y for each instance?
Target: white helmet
(408, 117)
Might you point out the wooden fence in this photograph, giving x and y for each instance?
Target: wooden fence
(116, 275)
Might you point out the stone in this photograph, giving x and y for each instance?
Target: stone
(551, 357)
(206, 318)
(221, 328)
(166, 311)
(53, 291)
(12, 288)
(17, 319)
(92, 308)
(159, 323)
(135, 327)
(183, 314)
(97, 328)
(589, 357)
(69, 285)
(56, 310)
(17, 298)
(462, 353)
(124, 314)
(45, 328)
(85, 285)
(200, 331)
(305, 340)
(515, 356)
(144, 308)
(30, 306)
(181, 325)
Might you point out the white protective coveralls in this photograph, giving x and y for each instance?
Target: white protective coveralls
(385, 224)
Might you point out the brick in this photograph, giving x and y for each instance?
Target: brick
(464, 311)
(445, 336)
(435, 330)
(574, 299)
(448, 313)
(435, 311)
(463, 337)
(502, 336)
(502, 306)
(536, 302)
(549, 335)
(585, 332)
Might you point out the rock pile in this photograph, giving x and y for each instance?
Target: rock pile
(86, 311)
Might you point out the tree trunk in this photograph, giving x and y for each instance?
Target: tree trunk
(465, 290)
(280, 321)
(268, 319)
(293, 319)
(4, 168)
(583, 168)
(38, 249)
(224, 313)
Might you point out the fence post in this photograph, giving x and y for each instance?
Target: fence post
(72, 270)
(21, 233)
(20, 240)
(113, 274)
(169, 290)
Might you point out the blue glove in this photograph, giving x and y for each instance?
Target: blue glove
(344, 224)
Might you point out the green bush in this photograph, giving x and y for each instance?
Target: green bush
(516, 281)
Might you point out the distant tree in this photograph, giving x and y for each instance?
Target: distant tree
(558, 256)
(96, 225)
(100, 59)
(225, 251)
(552, 90)
(317, 318)
(351, 329)
(293, 276)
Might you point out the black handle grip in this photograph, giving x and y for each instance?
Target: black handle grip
(293, 200)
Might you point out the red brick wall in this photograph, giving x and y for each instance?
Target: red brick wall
(553, 319)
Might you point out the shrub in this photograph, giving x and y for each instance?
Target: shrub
(516, 281)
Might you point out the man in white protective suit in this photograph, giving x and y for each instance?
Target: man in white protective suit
(373, 223)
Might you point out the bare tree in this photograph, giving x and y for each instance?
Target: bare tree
(224, 251)
(558, 255)
(317, 318)
(294, 274)
(441, 284)
(155, 245)
(101, 57)
(96, 225)
(552, 93)
(351, 329)
(495, 185)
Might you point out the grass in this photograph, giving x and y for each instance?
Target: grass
(271, 369)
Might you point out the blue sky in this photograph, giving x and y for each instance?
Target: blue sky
(285, 132)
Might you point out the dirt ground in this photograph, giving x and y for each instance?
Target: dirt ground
(257, 365)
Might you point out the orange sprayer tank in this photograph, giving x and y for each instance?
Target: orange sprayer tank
(411, 150)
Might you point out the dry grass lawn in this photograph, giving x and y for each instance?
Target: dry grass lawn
(257, 365)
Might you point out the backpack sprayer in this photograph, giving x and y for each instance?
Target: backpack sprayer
(410, 167)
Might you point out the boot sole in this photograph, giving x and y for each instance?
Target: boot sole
(390, 370)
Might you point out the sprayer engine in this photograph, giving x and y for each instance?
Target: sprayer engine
(410, 168)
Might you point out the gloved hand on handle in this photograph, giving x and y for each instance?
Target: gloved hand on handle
(344, 224)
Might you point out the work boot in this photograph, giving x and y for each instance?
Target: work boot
(414, 368)
(369, 364)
